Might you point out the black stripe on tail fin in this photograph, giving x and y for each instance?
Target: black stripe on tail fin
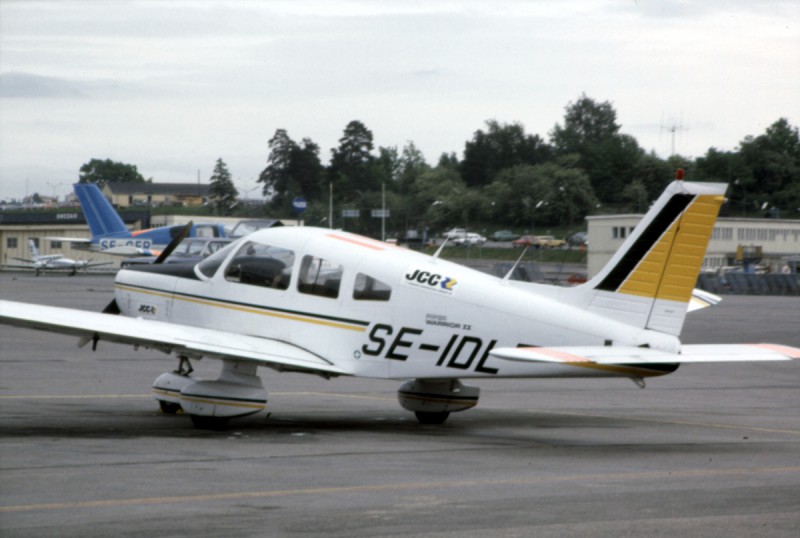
(645, 242)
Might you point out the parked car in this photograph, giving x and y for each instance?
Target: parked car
(454, 233)
(539, 241)
(503, 235)
(524, 241)
(548, 241)
(469, 239)
(578, 239)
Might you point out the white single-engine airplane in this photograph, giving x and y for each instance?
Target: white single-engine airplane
(44, 262)
(332, 303)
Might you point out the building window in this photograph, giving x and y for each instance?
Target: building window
(11, 242)
(55, 244)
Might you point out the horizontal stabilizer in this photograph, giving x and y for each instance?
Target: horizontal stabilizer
(702, 299)
(79, 240)
(624, 355)
(167, 337)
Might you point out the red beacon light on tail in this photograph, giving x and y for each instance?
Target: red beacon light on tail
(679, 174)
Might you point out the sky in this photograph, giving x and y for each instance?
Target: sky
(171, 86)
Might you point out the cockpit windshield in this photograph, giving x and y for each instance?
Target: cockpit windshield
(262, 265)
(210, 265)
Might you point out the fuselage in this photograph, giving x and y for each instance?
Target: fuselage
(372, 308)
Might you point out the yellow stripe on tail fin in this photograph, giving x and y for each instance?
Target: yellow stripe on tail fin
(649, 281)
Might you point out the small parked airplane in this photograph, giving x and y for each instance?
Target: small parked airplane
(50, 262)
(332, 303)
(111, 236)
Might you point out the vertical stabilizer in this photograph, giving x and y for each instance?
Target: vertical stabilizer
(649, 281)
(103, 220)
(34, 250)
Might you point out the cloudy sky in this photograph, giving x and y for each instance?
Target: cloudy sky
(171, 86)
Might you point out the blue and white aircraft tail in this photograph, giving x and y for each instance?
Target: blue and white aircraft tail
(111, 236)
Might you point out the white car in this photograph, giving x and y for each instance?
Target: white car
(455, 233)
(469, 239)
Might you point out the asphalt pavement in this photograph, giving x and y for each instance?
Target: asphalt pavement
(711, 450)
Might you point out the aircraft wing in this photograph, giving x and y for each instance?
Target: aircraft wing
(167, 337)
(626, 355)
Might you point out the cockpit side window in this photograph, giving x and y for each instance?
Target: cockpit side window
(319, 277)
(370, 289)
(262, 265)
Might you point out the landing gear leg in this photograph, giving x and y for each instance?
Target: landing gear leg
(184, 366)
(168, 386)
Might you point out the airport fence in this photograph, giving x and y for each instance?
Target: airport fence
(750, 284)
(728, 284)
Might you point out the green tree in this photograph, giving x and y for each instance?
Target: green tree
(591, 132)
(501, 146)
(727, 167)
(654, 173)
(307, 169)
(292, 170)
(350, 168)
(411, 164)
(222, 193)
(556, 192)
(108, 171)
(774, 161)
(276, 178)
(437, 194)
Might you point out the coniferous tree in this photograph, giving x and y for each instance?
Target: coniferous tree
(222, 193)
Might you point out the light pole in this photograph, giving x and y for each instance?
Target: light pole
(54, 186)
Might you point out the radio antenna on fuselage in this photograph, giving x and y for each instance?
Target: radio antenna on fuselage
(516, 263)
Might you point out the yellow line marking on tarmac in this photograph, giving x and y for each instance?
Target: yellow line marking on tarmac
(389, 399)
(70, 396)
(149, 395)
(411, 486)
(665, 421)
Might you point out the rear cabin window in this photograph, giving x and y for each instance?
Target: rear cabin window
(320, 277)
(370, 289)
(262, 265)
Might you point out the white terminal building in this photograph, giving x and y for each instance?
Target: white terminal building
(731, 240)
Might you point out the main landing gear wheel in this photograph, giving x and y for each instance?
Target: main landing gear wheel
(427, 417)
(209, 423)
(169, 408)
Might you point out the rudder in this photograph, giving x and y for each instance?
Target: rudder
(100, 215)
(649, 281)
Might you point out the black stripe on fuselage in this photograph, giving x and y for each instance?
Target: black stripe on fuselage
(660, 224)
(251, 305)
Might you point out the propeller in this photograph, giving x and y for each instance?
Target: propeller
(113, 307)
(183, 234)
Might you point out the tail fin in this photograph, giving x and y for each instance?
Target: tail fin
(34, 250)
(649, 281)
(103, 220)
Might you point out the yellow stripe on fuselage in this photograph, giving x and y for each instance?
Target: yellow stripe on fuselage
(247, 309)
(669, 271)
